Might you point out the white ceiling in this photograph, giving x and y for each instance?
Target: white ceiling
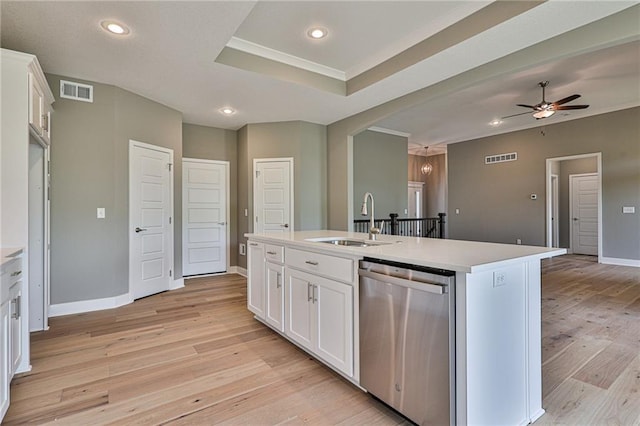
(170, 57)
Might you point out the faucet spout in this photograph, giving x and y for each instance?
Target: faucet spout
(373, 231)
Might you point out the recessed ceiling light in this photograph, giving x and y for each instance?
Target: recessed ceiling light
(227, 111)
(317, 33)
(114, 28)
(495, 122)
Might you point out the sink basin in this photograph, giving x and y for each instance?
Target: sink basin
(349, 242)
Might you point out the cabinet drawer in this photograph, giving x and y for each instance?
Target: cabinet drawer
(11, 273)
(274, 253)
(334, 267)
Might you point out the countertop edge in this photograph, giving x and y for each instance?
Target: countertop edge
(360, 252)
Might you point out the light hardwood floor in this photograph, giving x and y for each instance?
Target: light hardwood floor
(196, 356)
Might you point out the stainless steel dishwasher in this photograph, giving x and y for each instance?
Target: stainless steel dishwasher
(407, 339)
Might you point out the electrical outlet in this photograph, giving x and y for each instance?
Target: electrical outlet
(100, 213)
(518, 241)
(243, 249)
(499, 278)
(246, 212)
(457, 211)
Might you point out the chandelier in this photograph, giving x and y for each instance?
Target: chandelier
(426, 168)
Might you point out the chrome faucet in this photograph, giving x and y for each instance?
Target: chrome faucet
(373, 231)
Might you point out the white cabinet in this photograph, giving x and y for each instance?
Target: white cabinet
(274, 310)
(319, 317)
(16, 326)
(255, 278)
(39, 109)
(5, 372)
(10, 325)
(307, 296)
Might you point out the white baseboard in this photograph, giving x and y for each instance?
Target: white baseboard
(177, 283)
(238, 270)
(620, 262)
(89, 305)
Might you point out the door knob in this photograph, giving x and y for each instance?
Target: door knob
(222, 223)
(286, 225)
(575, 218)
(138, 229)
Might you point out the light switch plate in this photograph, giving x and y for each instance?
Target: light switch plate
(100, 213)
(628, 209)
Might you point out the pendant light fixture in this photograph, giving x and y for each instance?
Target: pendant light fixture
(426, 168)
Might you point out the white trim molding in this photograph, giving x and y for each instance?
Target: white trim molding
(389, 131)
(82, 306)
(620, 261)
(238, 270)
(285, 58)
(177, 283)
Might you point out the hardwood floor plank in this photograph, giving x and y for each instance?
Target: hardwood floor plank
(604, 368)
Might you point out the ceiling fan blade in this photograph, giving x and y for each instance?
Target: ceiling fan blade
(561, 108)
(565, 100)
(526, 106)
(515, 115)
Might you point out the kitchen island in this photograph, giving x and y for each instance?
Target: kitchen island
(307, 289)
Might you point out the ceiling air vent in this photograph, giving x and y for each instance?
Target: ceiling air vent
(500, 158)
(76, 91)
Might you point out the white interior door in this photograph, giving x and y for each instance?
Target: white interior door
(273, 195)
(584, 213)
(415, 199)
(150, 211)
(204, 217)
(555, 226)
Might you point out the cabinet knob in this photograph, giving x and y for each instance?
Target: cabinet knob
(138, 229)
(311, 262)
(16, 273)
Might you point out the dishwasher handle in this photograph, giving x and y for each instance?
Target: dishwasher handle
(418, 285)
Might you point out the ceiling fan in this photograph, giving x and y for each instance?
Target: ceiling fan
(546, 109)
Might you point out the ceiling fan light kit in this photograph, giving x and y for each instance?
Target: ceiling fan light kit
(546, 109)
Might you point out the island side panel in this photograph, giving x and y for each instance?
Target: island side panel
(495, 333)
(534, 323)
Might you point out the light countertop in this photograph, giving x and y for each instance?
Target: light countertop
(454, 255)
(7, 254)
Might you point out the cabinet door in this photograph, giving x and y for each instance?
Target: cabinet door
(256, 278)
(5, 374)
(298, 314)
(275, 296)
(35, 104)
(16, 327)
(334, 323)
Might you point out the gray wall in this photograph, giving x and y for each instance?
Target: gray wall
(210, 143)
(306, 143)
(380, 167)
(89, 169)
(566, 168)
(494, 199)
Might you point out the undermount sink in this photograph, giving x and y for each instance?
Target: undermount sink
(349, 242)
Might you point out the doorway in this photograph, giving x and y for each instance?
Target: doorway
(563, 168)
(273, 195)
(38, 236)
(205, 216)
(583, 211)
(150, 219)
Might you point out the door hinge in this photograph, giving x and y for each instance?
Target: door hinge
(169, 164)
(257, 174)
(256, 219)
(170, 272)
(169, 220)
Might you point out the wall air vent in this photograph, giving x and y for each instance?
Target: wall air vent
(76, 91)
(500, 158)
